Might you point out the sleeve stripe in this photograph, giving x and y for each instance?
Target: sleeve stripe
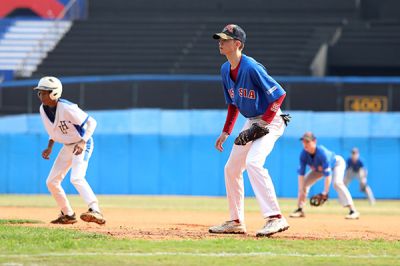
(84, 122)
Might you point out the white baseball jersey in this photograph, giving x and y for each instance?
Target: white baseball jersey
(69, 124)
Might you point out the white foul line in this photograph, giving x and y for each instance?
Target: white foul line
(194, 254)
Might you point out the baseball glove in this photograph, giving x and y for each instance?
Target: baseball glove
(318, 200)
(250, 134)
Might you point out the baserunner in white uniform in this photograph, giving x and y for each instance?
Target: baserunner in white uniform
(66, 123)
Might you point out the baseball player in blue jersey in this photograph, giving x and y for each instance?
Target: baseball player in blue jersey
(323, 163)
(249, 89)
(356, 169)
(66, 123)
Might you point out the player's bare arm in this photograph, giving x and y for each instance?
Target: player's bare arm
(46, 153)
(231, 117)
(79, 147)
(220, 141)
(327, 184)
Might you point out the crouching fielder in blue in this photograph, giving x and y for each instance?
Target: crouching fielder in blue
(356, 169)
(66, 123)
(322, 162)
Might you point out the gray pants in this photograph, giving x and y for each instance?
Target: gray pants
(337, 179)
(361, 175)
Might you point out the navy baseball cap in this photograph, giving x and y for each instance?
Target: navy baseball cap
(308, 136)
(231, 32)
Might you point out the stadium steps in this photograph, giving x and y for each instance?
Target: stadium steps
(25, 43)
(5, 73)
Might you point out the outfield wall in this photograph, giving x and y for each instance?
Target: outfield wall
(172, 152)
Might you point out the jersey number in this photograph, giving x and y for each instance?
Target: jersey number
(63, 127)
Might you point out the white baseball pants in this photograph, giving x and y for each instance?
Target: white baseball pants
(361, 175)
(78, 164)
(251, 157)
(337, 179)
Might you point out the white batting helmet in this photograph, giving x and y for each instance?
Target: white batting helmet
(52, 84)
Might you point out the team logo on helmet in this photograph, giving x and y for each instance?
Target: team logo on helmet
(229, 28)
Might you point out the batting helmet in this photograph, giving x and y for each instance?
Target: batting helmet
(52, 84)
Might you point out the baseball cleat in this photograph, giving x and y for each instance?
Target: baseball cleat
(298, 213)
(65, 219)
(92, 216)
(353, 215)
(229, 227)
(273, 226)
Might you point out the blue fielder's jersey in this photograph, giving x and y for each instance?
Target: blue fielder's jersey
(323, 161)
(355, 166)
(253, 90)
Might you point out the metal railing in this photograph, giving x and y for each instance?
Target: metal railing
(205, 78)
(373, 94)
(75, 9)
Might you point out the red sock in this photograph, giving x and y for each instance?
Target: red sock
(278, 216)
(236, 221)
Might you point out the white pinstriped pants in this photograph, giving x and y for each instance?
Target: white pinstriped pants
(78, 164)
(251, 157)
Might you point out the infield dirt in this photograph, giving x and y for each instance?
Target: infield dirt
(185, 224)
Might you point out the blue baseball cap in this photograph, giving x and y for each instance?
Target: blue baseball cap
(308, 136)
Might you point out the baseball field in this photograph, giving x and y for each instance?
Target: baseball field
(145, 230)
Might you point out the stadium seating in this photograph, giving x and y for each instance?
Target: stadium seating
(174, 36)
(5, 74)
(24, 43)
(367, 48)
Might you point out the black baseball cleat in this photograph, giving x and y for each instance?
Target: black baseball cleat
(92, 216)
(65, 219)
(298, 213)
(353, 215)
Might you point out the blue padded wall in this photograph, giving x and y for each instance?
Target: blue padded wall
(172, 152)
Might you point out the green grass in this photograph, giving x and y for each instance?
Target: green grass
(173, 203)
(44, 246)
(19, 221)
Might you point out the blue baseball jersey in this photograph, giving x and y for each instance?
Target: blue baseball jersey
(323, 161)
(355, 166)
(253, 91)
